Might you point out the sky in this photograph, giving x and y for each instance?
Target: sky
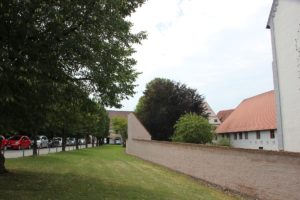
(221, 48)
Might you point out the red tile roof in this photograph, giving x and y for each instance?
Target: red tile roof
(223, 114)
(255, 113)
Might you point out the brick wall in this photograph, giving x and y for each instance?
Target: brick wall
(261, 174)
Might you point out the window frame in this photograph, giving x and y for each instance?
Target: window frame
(246, 136)
(258, 136)
(240, 136)
(272, 134)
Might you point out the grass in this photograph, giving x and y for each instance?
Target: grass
(98, 173)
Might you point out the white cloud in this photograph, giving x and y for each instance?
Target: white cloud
(219, 47)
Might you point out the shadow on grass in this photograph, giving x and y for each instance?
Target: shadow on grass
(28, 185)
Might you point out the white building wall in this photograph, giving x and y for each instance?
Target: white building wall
(252, 143)
(212, 117)
(285, 29)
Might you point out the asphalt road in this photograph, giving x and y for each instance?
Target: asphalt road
(28, 152)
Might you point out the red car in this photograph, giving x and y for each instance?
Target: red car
(3, 142)
(19, 142)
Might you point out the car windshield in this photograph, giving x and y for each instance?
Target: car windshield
(16, 137)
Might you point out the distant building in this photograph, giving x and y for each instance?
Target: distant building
(113, 137)
(223, 114)
(212, 117)
(252, 124)
(284, 23)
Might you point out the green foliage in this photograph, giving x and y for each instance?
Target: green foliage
(55, 55)
(119, 125)
(163, 102)
(193, 129)
(224, 142)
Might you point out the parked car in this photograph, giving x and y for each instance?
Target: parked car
(3, 142)
(70, 141)
(55, 142)
(19, 142)
(117, 141)
(81, 141)
(41, 141)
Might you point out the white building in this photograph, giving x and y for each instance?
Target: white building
(252, 124)
(212, 117)
(284, 23)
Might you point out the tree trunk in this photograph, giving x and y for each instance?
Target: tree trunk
(63, 145)
(93, 142)
(34, 146)
(98, 141)
(86, 141)
(2, 162)
(76, 142)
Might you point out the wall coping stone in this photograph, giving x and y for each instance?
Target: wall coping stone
(252, 151)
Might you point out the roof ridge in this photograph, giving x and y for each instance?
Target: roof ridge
(226, 110)
(261, 94)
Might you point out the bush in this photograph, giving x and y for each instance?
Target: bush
(193, 128)
(224, 142)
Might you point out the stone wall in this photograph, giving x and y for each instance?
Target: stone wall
(258, 173)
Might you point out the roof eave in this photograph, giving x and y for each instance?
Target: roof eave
(272, 13)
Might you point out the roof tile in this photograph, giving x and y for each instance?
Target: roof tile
(255, 113)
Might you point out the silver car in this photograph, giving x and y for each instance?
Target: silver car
(42, 141)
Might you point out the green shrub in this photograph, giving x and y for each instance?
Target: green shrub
(193, 128)
(224, 142)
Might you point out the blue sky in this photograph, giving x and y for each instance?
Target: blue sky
(221, 48)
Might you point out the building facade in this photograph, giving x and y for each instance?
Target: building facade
(284, 23)
(212, 117)
(252, 125)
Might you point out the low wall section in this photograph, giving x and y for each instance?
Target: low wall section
(261, 174)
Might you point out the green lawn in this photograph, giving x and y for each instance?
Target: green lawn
(99, 173)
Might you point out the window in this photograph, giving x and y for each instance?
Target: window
(227, 135)
(216, 137)
(272, 134)
(258, 135)
(215, 120)
(240, 136)
(235, 136)
(246, 135)
(223, 135)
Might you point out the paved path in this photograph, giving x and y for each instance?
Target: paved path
(28, 152)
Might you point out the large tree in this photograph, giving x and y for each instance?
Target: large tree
(163, 102)
(46, 44)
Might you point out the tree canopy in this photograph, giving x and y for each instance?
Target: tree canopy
(193, 128)
(47, 46)
(163, 102)
(58, 56)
